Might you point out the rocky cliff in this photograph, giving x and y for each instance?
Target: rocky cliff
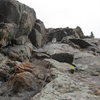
(45, 64)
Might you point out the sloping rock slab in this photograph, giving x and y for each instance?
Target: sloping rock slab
(63, 57)
(81, 43)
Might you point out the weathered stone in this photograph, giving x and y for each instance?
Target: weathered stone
(36, 38)
(39, 25)
(18, 52)
(38, 35)
(53, 48)
(28, 62)
(22, 82)
(81, 43)
(79, 32)
(60, 33)
(12, 11)
(63, 57)
(17, 19)
(6, 33)
(65, 86)
(23, 67)
(57, 34)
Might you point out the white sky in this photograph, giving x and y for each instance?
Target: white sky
(68, 13)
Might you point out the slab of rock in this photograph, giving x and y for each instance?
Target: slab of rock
(63, 57)
(81, 43)
(65, 86)
(53, 48)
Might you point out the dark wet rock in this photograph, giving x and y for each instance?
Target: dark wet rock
(83, 44)
(63, 57)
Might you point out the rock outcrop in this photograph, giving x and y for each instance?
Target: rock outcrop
(18, 20)
(45, 64)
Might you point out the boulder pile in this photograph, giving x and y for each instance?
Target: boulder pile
(37, 63)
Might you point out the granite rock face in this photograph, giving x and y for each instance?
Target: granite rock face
(17, 20)
(45, 64)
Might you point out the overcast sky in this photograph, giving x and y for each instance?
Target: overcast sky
(68, 13)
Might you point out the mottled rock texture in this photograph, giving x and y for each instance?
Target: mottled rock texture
(37, 63)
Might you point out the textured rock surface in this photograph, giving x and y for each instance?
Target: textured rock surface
(16, 20)
(65, 86)
(63, 57)
(45, 64)
(22, 82)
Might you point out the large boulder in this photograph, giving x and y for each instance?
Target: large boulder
(24, 81)
(63, 57)
(11, 11)
(36, 38)
(57, 34)
(38, 35)
(60, 33)
(18, 20)
(79, 32)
